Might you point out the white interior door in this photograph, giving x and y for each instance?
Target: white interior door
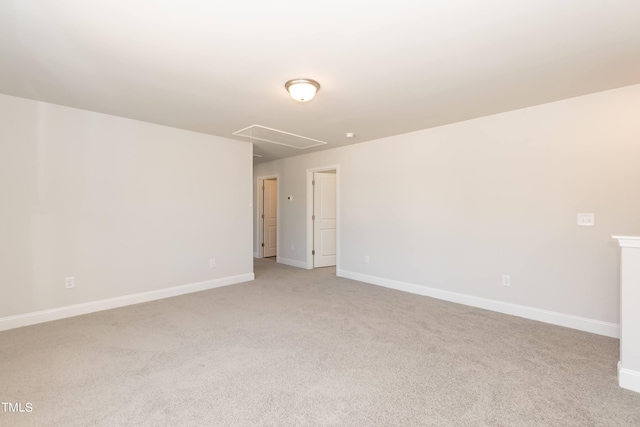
(324, 219)
(270, 225)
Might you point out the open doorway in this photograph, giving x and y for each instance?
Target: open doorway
(323, 231)
(267, 217)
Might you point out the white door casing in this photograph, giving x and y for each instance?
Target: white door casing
(324, 222)
(270, 220)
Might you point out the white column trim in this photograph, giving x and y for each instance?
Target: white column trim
(628, 241)
(629, 364)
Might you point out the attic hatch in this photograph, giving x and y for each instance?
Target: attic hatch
(274, 136)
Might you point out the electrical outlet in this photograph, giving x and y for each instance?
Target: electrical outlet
(69, 282)
(586, 219)
(506, 280)
(293, 248)
(366, 259)
(212, 262)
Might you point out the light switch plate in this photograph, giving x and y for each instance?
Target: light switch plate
(586, 219)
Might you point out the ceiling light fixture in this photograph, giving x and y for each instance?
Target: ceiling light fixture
(302, 90)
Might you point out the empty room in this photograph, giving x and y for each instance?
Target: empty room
(319, 213)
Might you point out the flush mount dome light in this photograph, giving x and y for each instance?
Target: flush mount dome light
(302, 90)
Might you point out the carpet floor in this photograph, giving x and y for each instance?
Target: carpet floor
(299, 347)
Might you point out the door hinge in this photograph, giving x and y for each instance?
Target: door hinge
(313, 217)
(262, 216)
(313, 252)
(263, 187)
(263, 245)
(313, 182)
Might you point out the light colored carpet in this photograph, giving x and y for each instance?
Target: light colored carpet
(299, 347)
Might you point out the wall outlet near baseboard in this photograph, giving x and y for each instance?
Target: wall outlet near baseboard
(366, 259)
(212, 262)
(69, 282)
(506, 280)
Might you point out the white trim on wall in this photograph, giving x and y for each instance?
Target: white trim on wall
(309, 257)
(292, 262)
(18, 321)
(575, 322)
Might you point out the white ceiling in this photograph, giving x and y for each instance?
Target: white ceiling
(386, 67)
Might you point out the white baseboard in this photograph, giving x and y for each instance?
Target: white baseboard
(628, 379)
(580, 323)
(12, 322)
(292, 262)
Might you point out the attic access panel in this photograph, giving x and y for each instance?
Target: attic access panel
(274, 136)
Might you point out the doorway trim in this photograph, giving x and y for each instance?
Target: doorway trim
(310, 172)
(260, 223)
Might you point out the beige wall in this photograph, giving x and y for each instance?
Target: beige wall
(453, 208)
(123, 206)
